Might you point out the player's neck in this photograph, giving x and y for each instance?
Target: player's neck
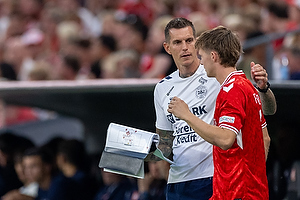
(187, 71)
(223, 73)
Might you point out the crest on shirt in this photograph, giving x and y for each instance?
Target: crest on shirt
(201, 91)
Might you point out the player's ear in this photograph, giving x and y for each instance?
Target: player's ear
(214, 56)
(167, 48)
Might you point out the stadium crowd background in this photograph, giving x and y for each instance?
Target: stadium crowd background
(102, 39)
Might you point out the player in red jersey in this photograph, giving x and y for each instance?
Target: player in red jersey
(240, 136)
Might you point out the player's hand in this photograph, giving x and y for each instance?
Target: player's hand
(178, 108)
(259, 75)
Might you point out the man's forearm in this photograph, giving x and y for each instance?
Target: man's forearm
(268, 101)
(165, 145)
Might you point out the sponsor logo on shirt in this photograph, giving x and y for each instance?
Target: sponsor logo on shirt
(170, 118)
(226, 119)
(184, 134)
(197, 110)
(186, 138)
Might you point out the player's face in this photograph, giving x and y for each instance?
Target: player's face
(182, 47)
(207, 61)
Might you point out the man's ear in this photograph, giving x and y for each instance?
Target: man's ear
(167, 48)
(214, 56)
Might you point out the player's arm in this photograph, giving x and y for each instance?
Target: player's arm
(223, 138)
(268, 102)
(260, 76)
(267, 141)
(165, 145)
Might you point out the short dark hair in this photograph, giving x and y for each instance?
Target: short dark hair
(178, 23)
(72, 62)
(44, 153)
(108, 41)
(74, 152)
(84, 43)
(280, 10)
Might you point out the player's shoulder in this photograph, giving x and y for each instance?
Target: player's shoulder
(235, 81)
(166, 81)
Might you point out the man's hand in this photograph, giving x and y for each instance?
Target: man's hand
(259, 75)
(178, 108)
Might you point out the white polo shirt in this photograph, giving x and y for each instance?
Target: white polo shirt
(192, 154)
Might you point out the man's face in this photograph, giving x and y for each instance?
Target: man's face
(33, 168)
(182, 46)
(206, 60)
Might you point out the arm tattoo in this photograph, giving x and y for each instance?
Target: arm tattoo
(268, 102)
(165, 142)
(165, 145)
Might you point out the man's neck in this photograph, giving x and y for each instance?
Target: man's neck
(223, 72)
(187, 71)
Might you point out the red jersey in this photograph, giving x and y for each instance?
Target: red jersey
(240, 172)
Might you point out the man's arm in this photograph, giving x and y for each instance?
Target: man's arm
(268, 102)
(260, 76)
(267, 141)
(223, 138)
(165, 145)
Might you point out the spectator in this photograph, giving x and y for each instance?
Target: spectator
(40, 71)
(14, 54)
(116, 187)
(8, 176)
(6, 69)
(102, 48)
(34, 50)
(155, 62)
(29, 189)
(293, 56)
(69, 68)
(82, 49)
(91, 24)
(122, 64)
(277, 21)
(293, 13)
(131, 32)
(31, 10)
(73, 162)
(39, 165)
(256, 54)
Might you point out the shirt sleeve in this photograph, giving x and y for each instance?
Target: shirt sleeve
(161, 118)
(232, 110)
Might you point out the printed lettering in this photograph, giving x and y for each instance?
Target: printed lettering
(256, 98)
(186, 138)
(200, 110)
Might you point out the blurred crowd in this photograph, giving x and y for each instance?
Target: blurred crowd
(61, 169)
(90, 39)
